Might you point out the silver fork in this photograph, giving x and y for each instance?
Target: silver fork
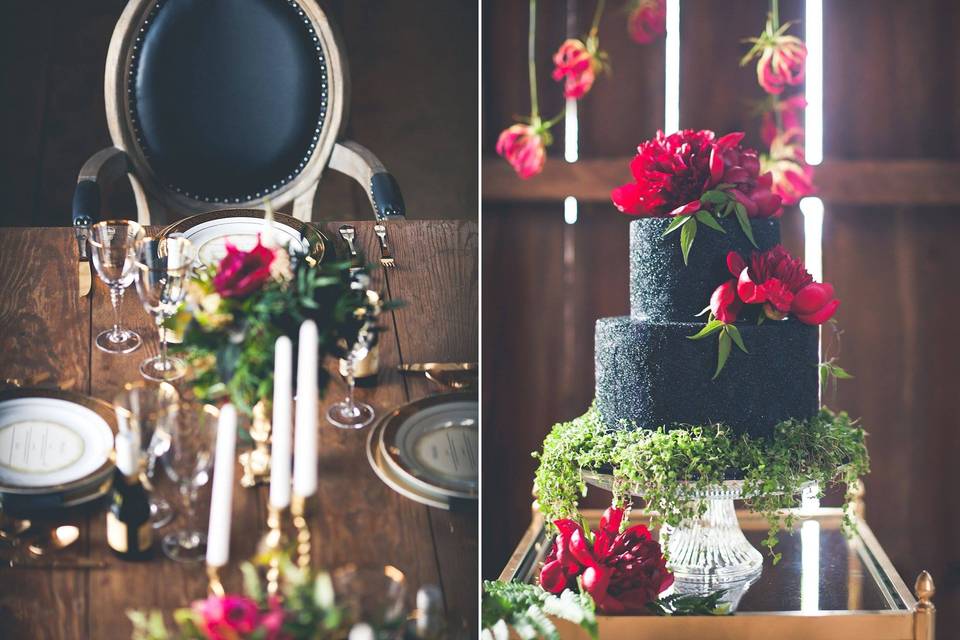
(385, 258)
(348, 233)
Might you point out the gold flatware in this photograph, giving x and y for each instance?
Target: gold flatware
(385, 258)
(349, 233)
(55, 539)
(62, 565)
(81, 230)
(422, 367)
(83, 277)
(453, 378)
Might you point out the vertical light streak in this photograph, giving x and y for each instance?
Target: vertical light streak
(812, 209)
(671, 107)
(810, 566)
(570, 210)
(813, 129)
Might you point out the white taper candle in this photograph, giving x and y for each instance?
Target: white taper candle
(305, 453)
(221, 499)
(282, 430)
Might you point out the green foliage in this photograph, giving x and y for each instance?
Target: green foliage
(727, 336)
(526, 607)
(691, 605)
(671, 467)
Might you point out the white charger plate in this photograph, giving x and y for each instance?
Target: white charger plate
(394, 481)
(49, 442)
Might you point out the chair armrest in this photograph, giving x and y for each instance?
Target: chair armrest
(105, 166)
(380, 186)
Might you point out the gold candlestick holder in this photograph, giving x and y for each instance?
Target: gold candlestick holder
(256, 462)
(270, 545)
(213, 576)
(297, 509)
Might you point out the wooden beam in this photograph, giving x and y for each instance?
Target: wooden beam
(845, 182)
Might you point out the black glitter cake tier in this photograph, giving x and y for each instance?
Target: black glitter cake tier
(649, 374)
(663, 288)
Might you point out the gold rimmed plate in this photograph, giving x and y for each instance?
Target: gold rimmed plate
(56, 448)
(433, 443)
(210, 231)
(397, 483)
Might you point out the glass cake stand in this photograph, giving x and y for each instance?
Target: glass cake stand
(710, 552)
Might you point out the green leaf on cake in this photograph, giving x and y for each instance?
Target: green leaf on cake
(745, 223)
(723, 352)
(707, 218)
(735, 334)
(675, 224)
(714, 197)
(708, 329)
(687, 233)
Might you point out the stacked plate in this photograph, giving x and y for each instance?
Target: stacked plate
(56, 449)
(427, 450)
(210, 231)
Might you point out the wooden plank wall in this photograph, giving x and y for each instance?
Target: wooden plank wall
(891, 74)
(414, 95)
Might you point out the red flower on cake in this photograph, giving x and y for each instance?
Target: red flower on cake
(242, 272)
(782, 285)
(578, 64)
(724, 302)
(647, 20)
(524, 147)
(623, 572)
(672, 172)
(780, 58)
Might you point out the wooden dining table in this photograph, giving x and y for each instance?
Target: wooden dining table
(47, 331)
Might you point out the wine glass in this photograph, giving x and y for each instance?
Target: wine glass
(348, 413)
(163, 271)
(193, 435)
(112, 243)
(144, 411)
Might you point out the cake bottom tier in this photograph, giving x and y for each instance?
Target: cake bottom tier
(651, 375)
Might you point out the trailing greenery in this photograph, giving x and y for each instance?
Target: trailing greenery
(677, 604)
(526, 607)
(670, 468)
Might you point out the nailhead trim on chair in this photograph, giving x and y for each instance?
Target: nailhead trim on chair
(264, 189)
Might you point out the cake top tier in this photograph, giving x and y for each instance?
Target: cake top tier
(663, 288)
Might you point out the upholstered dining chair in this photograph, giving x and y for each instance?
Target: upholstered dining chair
(216, 104)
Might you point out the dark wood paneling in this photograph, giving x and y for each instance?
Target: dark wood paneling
(413, 68)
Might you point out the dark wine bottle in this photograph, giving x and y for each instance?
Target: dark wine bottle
(129, 531)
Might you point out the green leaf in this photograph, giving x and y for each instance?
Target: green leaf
(824, 374)
(761, 318)
(745, 223)
(723, 185)
(687, 233)
(735, 334)
(707, 218)
(723, 352)
(708, 329)
(840, 373)
(714, 197)
(675, 224)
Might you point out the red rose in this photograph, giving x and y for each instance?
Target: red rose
(575, 62)
(623, 572)
(524, 147)
(647, 20)
(242, 272)
(671, 173)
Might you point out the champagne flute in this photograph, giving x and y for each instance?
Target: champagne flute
(144, 411)
(163, 271)
(112, 243)
(348, 413)
(188, 461)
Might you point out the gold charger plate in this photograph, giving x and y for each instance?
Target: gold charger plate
(397, 483)
(67, 494)
(309, 233)
(446, 465)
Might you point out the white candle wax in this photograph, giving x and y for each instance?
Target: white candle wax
(221, 499)
(305, 454)
(266, 238)
(282, 429)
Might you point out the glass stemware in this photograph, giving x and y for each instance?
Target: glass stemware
(112, 244)
(163, 271)
(348, 413)
(144, 411)
(193, 435)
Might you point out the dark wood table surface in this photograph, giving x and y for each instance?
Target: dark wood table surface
(45, 327)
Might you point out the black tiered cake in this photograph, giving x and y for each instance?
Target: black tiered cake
(649, 374)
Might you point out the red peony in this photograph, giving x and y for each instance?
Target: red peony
(242, 272)
(671, 173)
(792, 176)
(524, 147)
(782, 285)
(791, 117)
(724, 302)
(647, 20)
(623, 572)
(227, 617)
(780, 58)
(575, 62)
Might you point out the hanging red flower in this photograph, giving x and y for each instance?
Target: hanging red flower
(524, 147)
(780, 58)
(792, 177)
(577, 64)
(623, 572)
(647, 20)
